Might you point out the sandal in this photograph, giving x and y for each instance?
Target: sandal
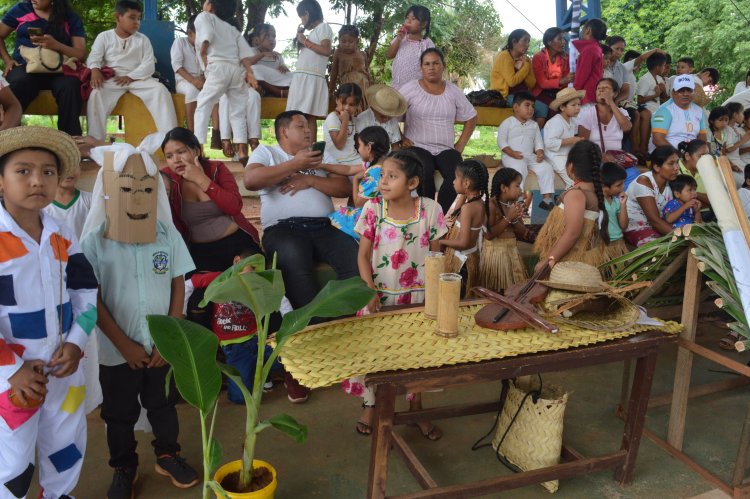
(364, 428)
(728, 341)
(433, 432)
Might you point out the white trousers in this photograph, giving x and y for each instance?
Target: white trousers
(558, 165)
(545, 175)
(223, 78)
(252, 117)
(154, 95)
(187, 89)
(56, 432)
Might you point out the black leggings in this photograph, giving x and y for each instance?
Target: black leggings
(445, 163)
(218, 256)
(66, 89)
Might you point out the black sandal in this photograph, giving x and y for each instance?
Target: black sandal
(364, 429)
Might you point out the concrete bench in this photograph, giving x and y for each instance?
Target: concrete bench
(139, 123)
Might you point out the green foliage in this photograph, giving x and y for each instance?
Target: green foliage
(191, 350)
(714, 33)
(191, 353)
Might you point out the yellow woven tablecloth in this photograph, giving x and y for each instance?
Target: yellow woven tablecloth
(329, 353)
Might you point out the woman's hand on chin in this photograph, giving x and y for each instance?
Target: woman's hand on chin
(193, 172)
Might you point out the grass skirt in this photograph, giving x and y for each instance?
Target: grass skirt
(589, 248)
(501, 264)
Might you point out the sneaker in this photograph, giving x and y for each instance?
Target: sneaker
(122, 483)
(296, 393)
(175, 467)
(267, 386)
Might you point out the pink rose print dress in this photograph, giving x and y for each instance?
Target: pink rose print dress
(399, 248)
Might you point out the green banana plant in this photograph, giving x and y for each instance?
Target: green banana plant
(191, 351)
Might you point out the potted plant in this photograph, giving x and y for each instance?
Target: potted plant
(191, 351)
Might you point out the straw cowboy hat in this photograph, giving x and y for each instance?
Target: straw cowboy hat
(576, 276)
(567, 94)
(386, 100)
(59, 143)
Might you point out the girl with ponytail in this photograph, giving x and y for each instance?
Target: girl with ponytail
(577, 229)
(464, 241)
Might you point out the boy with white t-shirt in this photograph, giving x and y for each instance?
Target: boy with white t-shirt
(187, 70)
(130, 55)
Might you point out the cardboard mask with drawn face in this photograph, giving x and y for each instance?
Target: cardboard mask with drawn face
(130, 201)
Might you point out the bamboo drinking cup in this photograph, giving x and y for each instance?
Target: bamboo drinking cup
(449, 291)
(434, 265)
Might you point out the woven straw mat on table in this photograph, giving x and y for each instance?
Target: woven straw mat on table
(327, 354)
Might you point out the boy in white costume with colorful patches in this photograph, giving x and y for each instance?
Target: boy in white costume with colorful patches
(139, 259)
(47, 311)
(131, 56)
(225, 56)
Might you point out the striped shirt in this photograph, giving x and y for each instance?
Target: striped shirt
(430, 119)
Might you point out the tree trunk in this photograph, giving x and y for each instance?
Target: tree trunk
(348, 12)
(377, 28)
(256, 13)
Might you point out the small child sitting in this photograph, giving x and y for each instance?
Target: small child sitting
(268, 65)
(188, 76)
(685, 208)
(130, 55)
(387, 105)
(234, 324)
(338, 128)
(615, 202)
(521, 143)
(561, 132)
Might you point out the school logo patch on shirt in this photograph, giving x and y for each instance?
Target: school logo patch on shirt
(161, 262)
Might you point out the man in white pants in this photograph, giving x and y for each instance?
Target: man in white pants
(130, 55)
(522, 146)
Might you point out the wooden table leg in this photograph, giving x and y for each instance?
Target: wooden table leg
(636, 415)
(385, 407)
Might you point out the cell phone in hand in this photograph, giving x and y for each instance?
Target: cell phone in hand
(319, 146)
(36, 31)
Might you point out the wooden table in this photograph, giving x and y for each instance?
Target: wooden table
(642, 348)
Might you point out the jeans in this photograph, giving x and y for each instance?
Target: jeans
(445, 163)
(243, 357)
(122, 388)
(300, 242)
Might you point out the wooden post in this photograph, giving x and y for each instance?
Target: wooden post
(684, 367)
(385, 406)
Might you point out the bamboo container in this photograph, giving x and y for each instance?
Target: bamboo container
(434, 265)
(449, 291)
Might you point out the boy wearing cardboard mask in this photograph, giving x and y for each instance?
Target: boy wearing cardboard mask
(140, 260)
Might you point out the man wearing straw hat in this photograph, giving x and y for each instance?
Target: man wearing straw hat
(295, 200)
(386, 106)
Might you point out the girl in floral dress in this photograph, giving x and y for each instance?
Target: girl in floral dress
(398, 230)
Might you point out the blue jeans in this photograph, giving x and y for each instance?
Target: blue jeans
(243, 357)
